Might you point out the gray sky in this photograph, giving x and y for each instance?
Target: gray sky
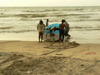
(49, 2)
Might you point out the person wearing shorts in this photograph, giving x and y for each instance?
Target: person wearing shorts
(40, 28)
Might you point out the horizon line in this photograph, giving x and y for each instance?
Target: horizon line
(48, 6)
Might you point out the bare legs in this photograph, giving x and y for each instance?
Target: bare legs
(40, 36)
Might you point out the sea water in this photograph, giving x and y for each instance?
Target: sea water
(20, 23)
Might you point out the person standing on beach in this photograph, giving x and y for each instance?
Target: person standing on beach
(41, 28)
(62, 30)
(47, 22)
(67, 31)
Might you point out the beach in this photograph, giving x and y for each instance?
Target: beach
(49, 58)
(22, 54)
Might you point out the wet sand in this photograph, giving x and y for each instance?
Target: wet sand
(48, 58)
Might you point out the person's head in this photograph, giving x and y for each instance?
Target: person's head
(41, 22)
(47, 20)
(63, 21)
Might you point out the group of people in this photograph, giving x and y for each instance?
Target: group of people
(63, 29)
(63, 32)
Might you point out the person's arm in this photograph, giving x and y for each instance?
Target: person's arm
(46, 23)
(65, 27)
(59, 26)
(38, 27)
(44, 27)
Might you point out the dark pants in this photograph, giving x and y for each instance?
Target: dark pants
(66, 33)
(61, 35)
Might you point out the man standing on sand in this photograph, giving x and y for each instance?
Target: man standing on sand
(61, 30)
(41, 28)
(67, 31)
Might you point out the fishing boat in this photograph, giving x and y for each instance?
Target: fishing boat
(51, 32)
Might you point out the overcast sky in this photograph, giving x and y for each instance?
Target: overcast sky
(49, 2)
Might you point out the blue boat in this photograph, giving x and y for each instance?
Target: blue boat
(50, 26)
(48, 36)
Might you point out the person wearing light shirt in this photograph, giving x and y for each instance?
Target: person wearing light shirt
(40, 28)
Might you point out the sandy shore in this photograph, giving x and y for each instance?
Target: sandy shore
(47, 58)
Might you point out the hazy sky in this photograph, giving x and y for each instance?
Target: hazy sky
(49, 2)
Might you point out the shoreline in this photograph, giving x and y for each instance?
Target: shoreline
(45, 41)
(30, 36)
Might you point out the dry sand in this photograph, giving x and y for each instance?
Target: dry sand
(48, 58)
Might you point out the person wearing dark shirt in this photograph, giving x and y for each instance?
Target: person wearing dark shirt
(62, 30)
(47, 22)
(67, 31)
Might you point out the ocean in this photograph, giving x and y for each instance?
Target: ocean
(20, 23)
